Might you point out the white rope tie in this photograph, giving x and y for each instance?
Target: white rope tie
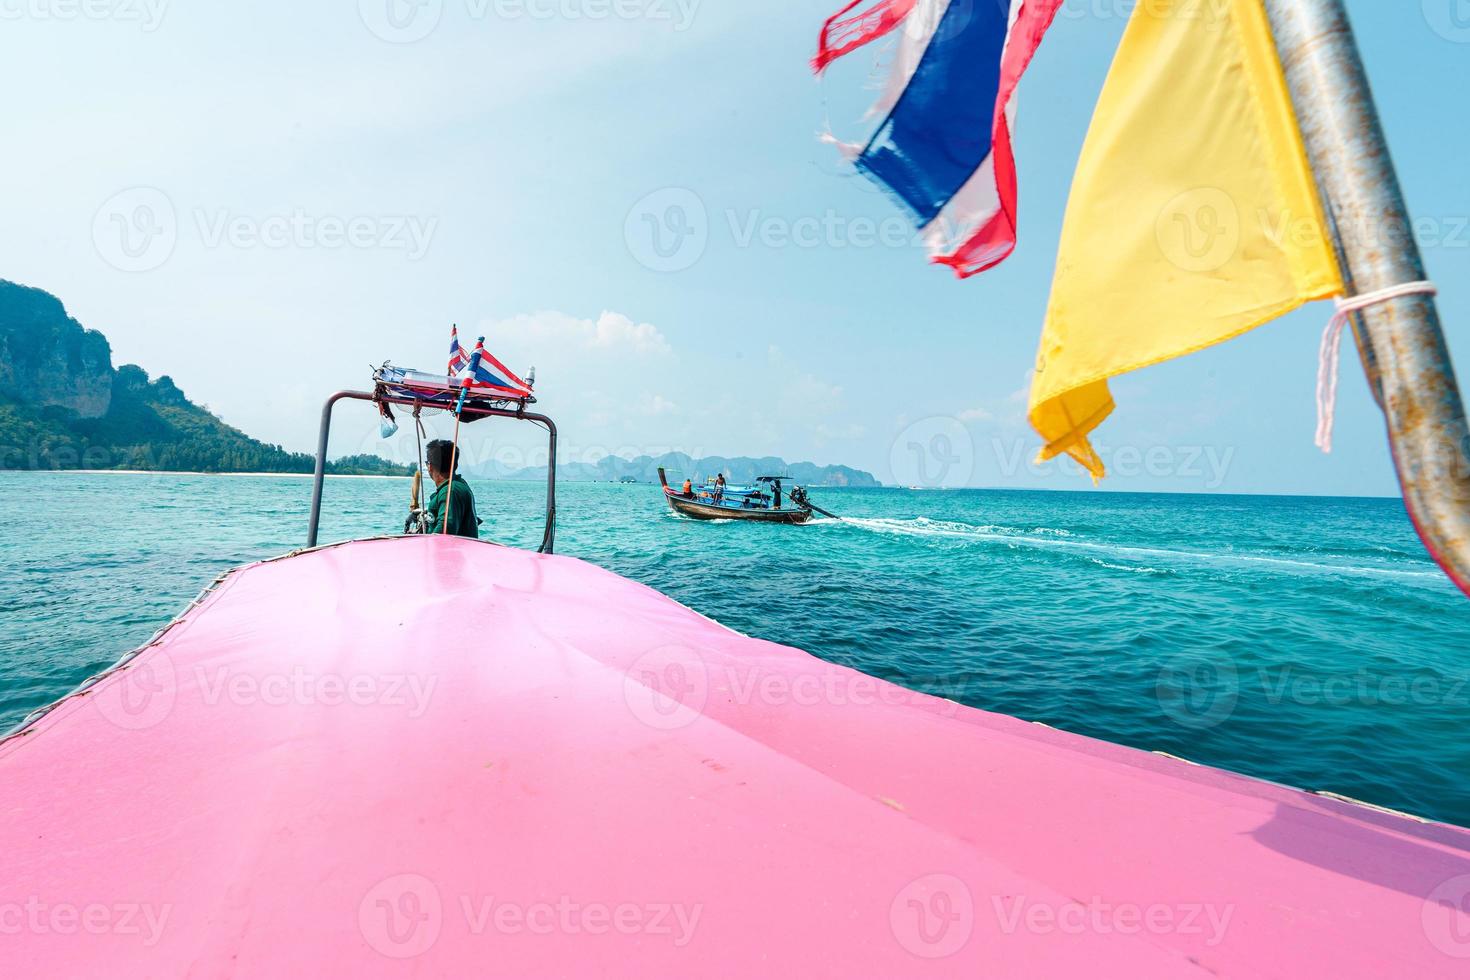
(1328, 357)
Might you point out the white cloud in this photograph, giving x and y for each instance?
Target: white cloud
(553, 333)
(975, 415)
(616, 330)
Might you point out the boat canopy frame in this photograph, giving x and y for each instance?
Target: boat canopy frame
(477, 410)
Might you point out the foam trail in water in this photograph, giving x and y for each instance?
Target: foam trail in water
(924, 527)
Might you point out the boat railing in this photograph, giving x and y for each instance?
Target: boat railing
(548, 536)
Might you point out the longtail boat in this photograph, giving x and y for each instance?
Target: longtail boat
(762, 502)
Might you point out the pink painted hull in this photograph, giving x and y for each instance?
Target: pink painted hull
(433, 756)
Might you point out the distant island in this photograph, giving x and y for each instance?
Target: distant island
(644, 469)
(64, 406)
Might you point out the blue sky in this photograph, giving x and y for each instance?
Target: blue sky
(333, 189)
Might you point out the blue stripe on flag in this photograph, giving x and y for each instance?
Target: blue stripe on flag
(939, 132)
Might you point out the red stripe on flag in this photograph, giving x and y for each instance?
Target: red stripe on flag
(840, 37)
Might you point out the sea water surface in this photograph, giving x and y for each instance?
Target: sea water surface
(1305, 640)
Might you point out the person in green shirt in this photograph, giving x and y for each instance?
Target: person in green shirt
(461, 502)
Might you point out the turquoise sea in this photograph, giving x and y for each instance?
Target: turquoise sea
(1304, 640)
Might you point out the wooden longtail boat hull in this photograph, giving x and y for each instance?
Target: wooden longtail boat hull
(690, 507)
(704, 510)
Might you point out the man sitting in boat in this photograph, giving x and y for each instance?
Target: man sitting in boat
(453, 501)
(688, 487)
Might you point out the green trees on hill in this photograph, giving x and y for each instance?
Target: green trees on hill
(62, 406)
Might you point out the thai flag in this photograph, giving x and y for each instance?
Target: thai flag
(487, 376)
(459, 358)
(943, 149)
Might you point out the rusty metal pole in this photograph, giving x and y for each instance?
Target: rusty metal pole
(1401, 342)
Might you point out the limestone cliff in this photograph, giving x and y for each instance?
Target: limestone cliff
(49, 359)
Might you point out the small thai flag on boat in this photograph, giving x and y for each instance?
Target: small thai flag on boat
(485, 375)
(943, 149)
(459, 358)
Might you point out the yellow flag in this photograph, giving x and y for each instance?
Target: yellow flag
(1193, 215)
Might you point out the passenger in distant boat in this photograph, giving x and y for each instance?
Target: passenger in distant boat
(455, 506)
(776, 490)
(719, 487)
(688, 487)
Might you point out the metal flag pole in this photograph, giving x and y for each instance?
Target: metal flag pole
(1400, 340)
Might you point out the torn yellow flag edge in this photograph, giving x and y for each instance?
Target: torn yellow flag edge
(1066, 414)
